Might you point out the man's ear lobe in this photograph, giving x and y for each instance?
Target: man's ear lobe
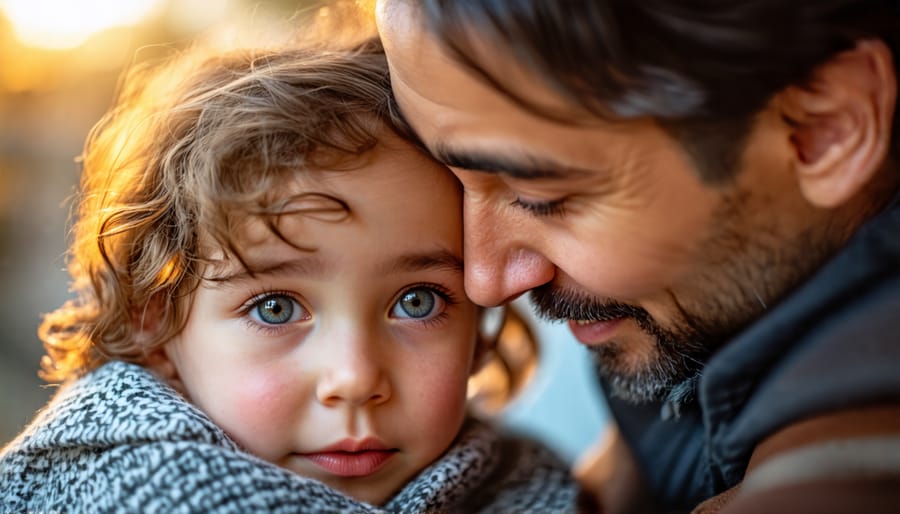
(840, 124)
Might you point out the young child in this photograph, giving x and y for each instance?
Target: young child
(270, 313)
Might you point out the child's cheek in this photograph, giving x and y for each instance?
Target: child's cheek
(442, 399)
(259, 415)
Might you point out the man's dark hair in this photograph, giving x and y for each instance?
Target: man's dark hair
(703, 68)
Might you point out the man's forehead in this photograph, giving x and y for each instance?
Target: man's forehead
(486, 70)
(408, 43)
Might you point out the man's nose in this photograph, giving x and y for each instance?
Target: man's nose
(354, 372)
(500, 262)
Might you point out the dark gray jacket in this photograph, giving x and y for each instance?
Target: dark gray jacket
(834, 343)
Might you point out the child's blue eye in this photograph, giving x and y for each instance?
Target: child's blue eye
(417, 303)
(276, 309)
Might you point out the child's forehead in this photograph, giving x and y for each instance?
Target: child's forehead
(251, 234)
(392, 193)
(405, 209)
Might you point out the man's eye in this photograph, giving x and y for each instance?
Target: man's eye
(541, 209)
(276, 309)
(418, 303)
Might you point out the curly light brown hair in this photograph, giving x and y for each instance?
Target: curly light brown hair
(192, 146)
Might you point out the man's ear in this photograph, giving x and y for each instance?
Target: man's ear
(840, 123)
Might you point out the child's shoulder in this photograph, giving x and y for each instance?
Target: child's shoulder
(491, 470)
(119, 439)
(529, 477)
(112, 421)
(118, 403)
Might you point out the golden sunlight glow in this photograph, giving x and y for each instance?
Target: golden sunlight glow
(62, 24)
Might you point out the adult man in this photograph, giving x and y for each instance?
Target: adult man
(708, 193)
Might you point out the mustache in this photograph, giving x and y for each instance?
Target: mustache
(552, 303)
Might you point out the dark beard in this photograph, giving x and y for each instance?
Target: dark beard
(748, 267)
(682, 351)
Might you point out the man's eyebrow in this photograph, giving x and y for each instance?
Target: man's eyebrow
(536, 167)
(524, 167)
(436, 260)
(307, 267)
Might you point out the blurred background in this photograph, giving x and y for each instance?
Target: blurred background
(59, 65)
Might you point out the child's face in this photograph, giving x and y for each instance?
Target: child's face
(348, 363)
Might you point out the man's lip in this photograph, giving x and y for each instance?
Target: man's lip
(594, 333)
(352, 458)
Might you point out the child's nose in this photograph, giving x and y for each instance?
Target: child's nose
(355, 375)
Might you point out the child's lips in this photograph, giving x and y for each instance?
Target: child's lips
(349, 458)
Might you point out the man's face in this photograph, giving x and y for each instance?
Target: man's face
(608, 224)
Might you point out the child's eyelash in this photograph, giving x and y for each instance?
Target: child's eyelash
(435, 321)
(541, 209)
(444, 292)
(257, 297)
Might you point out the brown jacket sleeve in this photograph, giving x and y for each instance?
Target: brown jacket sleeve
(847, 461)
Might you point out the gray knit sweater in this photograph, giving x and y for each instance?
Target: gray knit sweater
(119, 440)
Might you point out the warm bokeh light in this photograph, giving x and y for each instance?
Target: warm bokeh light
(62, 24)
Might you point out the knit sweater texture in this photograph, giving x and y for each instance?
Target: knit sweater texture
(120, 440)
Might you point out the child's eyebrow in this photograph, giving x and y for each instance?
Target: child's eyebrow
(437, 260)
(308, 267)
